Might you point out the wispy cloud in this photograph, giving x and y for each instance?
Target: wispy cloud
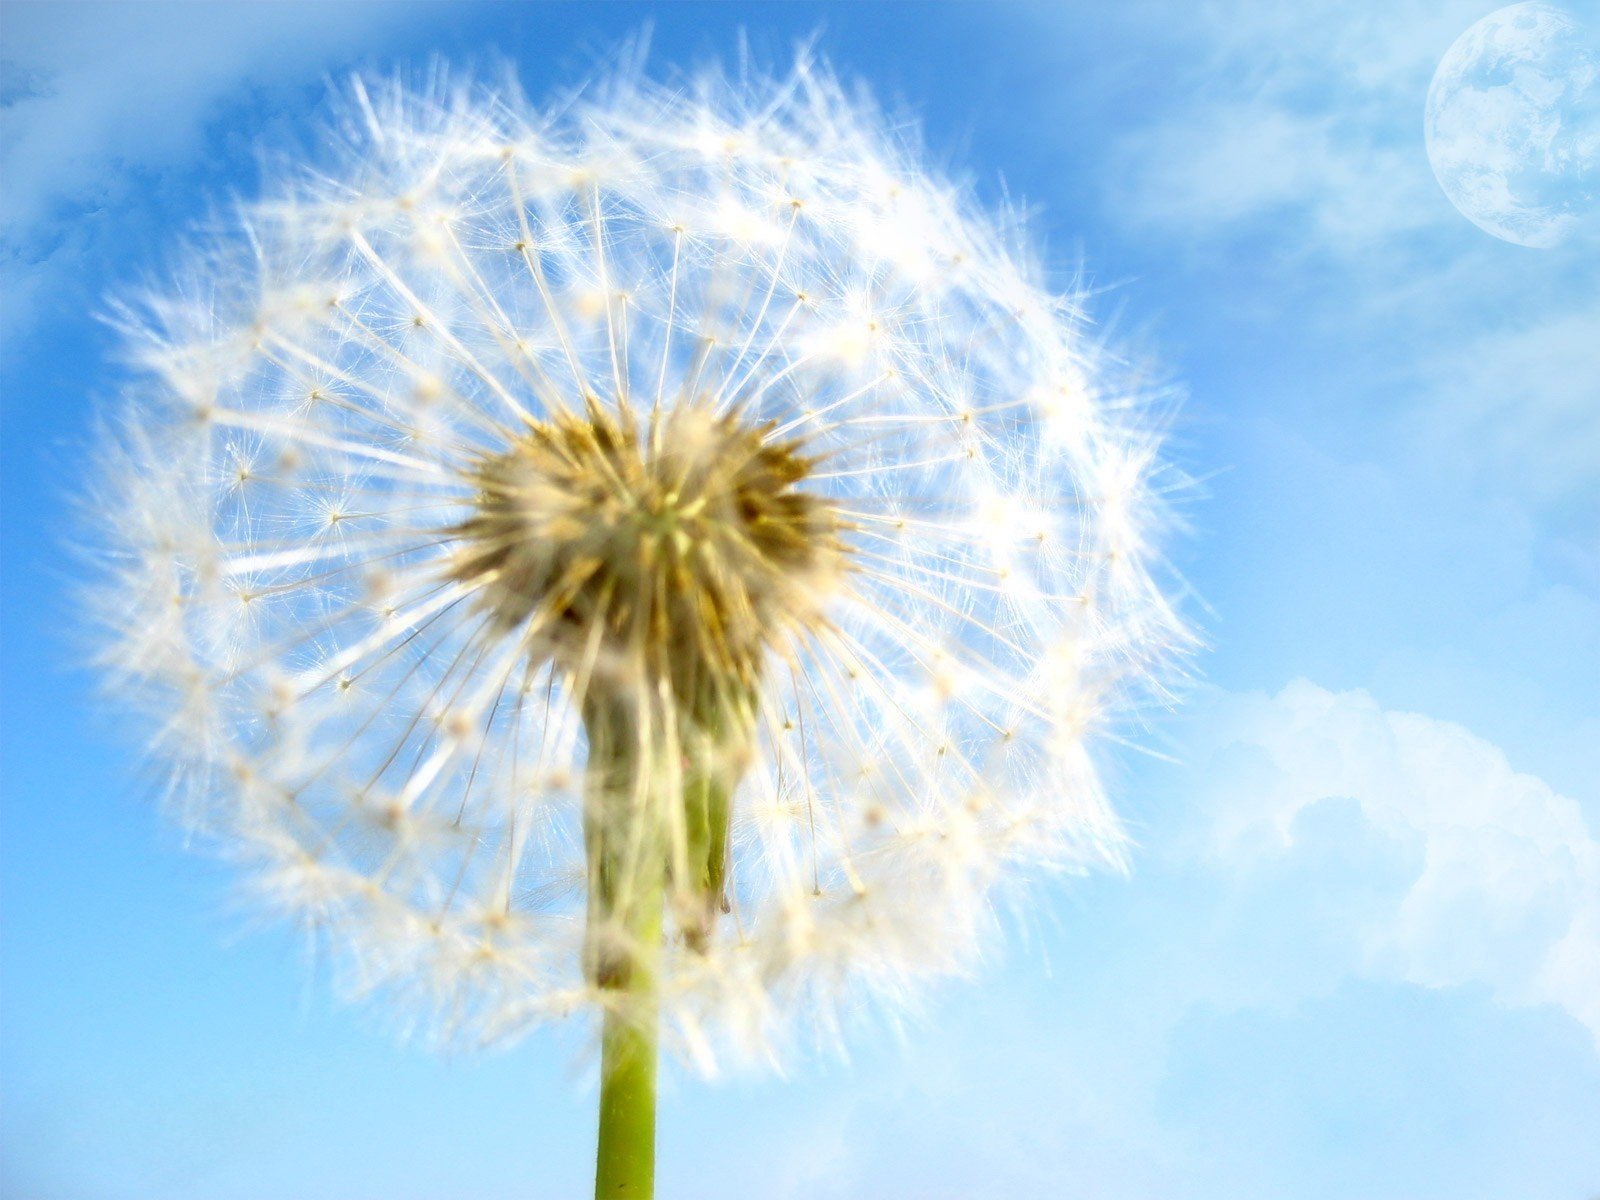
(96, 99)
(1471, 872)
(1310, 114)
(1293, 158)
(1236, 162)
(1357, 949)
(1524, 401)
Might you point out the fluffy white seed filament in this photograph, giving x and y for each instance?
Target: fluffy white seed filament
(677, 499)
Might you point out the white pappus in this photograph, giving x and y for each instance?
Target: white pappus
(703, 419)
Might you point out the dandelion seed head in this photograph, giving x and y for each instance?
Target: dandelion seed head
(688, 551)
(698, 428)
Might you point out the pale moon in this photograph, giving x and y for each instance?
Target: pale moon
(1513, 124)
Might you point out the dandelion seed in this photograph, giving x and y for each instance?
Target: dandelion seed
(663, 557)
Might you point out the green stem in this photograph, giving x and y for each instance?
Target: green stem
(626, 841)
(627, 868)
(625, 1161)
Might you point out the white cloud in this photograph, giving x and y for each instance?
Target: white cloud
(1307, 111)
(1292, 169)
(1502, 875)
(1358, 955)
(1236, 161)
(1524, 401)
(92, 95)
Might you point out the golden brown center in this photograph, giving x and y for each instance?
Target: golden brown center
(680, 555)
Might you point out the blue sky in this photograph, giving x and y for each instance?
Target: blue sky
(1358, 954)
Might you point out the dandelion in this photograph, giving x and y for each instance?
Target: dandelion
(661, 557)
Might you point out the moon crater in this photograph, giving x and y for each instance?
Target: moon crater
(1513, 124)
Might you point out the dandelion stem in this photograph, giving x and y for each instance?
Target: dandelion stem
(627, 874)
(631, 783)
(625, 1163)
